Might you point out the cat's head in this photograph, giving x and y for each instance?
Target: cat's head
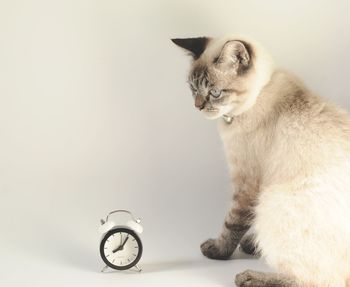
(226, 74)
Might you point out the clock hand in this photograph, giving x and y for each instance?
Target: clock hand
(117, 249)
(126, 239)
(121, 246)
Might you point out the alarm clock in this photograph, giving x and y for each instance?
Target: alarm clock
(121, 246)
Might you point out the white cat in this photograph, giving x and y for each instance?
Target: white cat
(289, 156)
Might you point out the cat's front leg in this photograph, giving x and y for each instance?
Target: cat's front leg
(237, 223)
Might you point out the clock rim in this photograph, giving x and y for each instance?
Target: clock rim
(125, 230)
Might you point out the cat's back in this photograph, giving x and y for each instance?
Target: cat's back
(303, 130)
(302, 113)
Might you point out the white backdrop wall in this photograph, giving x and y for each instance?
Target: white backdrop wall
(95, 114)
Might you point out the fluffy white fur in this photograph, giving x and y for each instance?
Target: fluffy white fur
(294, 147)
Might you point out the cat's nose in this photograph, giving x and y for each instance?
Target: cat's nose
(199, 102)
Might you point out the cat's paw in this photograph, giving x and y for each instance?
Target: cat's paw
(214, 250)
(250, 278)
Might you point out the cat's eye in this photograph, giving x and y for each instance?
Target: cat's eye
(215, 93)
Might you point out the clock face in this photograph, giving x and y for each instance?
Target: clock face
(121, 248)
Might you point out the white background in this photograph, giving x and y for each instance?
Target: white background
(95, 115)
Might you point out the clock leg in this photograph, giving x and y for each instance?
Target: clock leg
(138, 268)
(104, 269)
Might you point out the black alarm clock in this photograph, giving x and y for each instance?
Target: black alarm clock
(120, 246)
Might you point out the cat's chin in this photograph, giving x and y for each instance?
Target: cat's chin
(212, 114)
(215, 113)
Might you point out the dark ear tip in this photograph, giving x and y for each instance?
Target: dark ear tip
(195, 46)
(175, 40)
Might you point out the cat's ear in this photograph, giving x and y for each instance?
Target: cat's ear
(195, 46)
(234, 57)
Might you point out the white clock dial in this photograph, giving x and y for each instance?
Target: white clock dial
(121, 248)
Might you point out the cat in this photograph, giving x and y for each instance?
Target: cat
(288, 152)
